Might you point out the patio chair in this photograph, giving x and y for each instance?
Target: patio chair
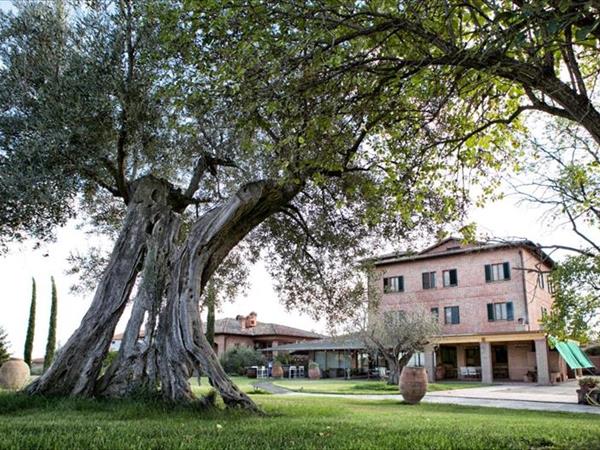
(293, 372)
(301, 372)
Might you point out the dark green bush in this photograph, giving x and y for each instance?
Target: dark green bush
(235, 360)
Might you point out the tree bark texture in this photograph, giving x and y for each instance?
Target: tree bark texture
(135, 369)
(184, 346)
(78, 364)
(167, 303)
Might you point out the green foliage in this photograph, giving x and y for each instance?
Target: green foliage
(576, 306)
(313, 365)
(237, 359)
(382, 150)
(4, 355)
(51, 343)
(30, 326)
(284, 358)
(108, 360)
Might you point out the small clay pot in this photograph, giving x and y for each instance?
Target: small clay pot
(14, 374)
(277, 371)
(314, 373)
(413, 384)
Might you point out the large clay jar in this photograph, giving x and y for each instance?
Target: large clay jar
(314, 373)
(413, 384)
(14, 374)
(277, 370)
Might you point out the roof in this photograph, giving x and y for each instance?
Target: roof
(346, 342)
(233, 326)
(460, 249)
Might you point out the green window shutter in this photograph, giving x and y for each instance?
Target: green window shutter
(386, 284)
(506, 267)
(488, 273)
(509, 311)
(425, 280)
(401, 284)
(432, 279)
(490, 310)
(455, 315)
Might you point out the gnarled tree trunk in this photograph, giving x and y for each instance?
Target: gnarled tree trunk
(135, 369)
(168, 299)
(77, 366)
(210, 240)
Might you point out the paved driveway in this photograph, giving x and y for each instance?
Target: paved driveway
(557, 398)
(557, 393)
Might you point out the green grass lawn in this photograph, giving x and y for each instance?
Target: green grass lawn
(290, 423)
(244, 383)
(333, 386)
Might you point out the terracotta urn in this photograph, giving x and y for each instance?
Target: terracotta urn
(413, 384)
(314, 373)
(14, 374)
(440, 373)
(277, 370)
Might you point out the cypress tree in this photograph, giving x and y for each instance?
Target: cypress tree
(51, 344)
(4, 355)
(211, 299)
(30, 326)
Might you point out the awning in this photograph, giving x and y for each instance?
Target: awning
(572, 354)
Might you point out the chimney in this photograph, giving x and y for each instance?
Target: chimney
(251, 320)
(242, 320)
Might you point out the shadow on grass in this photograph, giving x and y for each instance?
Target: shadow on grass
(135, 407)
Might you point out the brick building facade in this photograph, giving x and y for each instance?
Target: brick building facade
(489, 299)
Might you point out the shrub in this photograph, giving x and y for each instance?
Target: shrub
(589, 382)
(313, 365)
(235, 360)
(284, 358)
(4, 355)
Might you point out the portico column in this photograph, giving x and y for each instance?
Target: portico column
(430, 363)
(541, 359)
(485, 353)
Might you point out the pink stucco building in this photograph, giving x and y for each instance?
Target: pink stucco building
(489, 299)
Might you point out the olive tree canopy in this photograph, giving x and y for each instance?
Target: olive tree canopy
(188, 129)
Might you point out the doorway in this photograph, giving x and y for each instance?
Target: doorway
(500, 362)
(449, 361)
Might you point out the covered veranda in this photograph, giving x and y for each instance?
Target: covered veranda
(521, 356)
(337, 357)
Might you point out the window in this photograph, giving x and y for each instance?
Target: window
(428, 280)
(551, 286)
(393, 284)
(450, 277)
(451, 315)
(497, 272)
(500, 311)
(472, 356)
(540, 280)
(435, 312)
(544, 313)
